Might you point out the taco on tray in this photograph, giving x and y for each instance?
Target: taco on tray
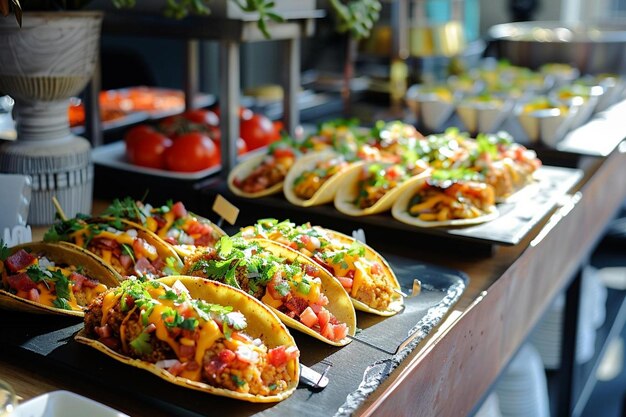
(445, 200)
(44, 277)
(314, 178)
(262, 174)
(184, 230)
(304, 296)
(373, 187)
(198, 334)
(126, 246)
(363, 272)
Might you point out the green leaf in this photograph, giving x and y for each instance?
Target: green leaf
(61, 303)
(141, 344)
(224, 247)
(283, 288)
(169, 295)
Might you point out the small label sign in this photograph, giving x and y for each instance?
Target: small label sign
(225, 209)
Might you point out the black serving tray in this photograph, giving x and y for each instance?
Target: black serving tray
(517, 218)
(357, 369)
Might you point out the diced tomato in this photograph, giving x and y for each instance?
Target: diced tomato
(176, 369)
(308, 317)
(323, 300)
(227, 356)
(214, 367)
(271, 287)
(33, 295)
(21, 282)
(143, 267)
(328, 332)
(277, 356)
(138, 247)
(179, 209)
(19, 260)
(323, 316)
(108, 243)
(185, 309)
(376, 269)
(311, 270)
(346, 282)
(204, 240)
(341, 331)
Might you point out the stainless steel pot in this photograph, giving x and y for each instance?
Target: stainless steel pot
(592, 48)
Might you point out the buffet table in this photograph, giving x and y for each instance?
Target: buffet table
(449, 372)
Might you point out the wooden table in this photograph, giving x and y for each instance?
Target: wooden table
(508, 292)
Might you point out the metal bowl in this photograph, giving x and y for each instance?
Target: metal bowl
(593, 49)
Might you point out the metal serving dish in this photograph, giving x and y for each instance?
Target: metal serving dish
(593, 49)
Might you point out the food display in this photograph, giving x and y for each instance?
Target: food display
(304, 295)
(185, 231)
(363, 272)
(127, 247)
(50, 278)
(198, 334)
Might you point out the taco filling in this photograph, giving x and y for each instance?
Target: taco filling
(442, 200)
(127, 249)
(190, 338)
(171, 222)
(271, 171)
(362, 275)
(375, 180)
(309, 182)
(34, 277)
(293, 288)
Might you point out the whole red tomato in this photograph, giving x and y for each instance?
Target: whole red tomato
(216, 136)
(147, 149)
(202, 116)
(191, 152)
(258, 131)
(137, 132)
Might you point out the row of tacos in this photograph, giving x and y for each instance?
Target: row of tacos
(211, 317)
(366, 173)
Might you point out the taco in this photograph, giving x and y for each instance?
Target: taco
(363, 272)
(314, 178)
(434, 202)
(184, 230)
(198, 334)
(263, 174)
(127, 247)
(372, 187)
(303, 295)
(43, 277)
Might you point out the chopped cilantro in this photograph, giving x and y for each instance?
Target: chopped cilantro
(304, 286)
(357, 249)
(238, 381)
(61, 303)
(226, 330)
(126, 208)
(224, 246)
(169, 295)
(128, 251)
(141, 344)
(190, 323)
(272, 386)
(283, 288)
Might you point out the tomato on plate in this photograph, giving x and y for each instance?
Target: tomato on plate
(192, 152)
(146, 147)
(137, 132)
(216, 136)
(202, 116)
(258, 131)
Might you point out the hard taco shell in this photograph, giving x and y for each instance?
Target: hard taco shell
(262, 323)
(60, 253)
(347, 193)
(326, 193)
(400, 210)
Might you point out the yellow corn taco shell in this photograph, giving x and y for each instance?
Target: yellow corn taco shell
(262, 324)
(60, 254)
(397, 301)
(347, 193)
(242, 170)
(326, 192)
(339, 304)
(400, 210)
